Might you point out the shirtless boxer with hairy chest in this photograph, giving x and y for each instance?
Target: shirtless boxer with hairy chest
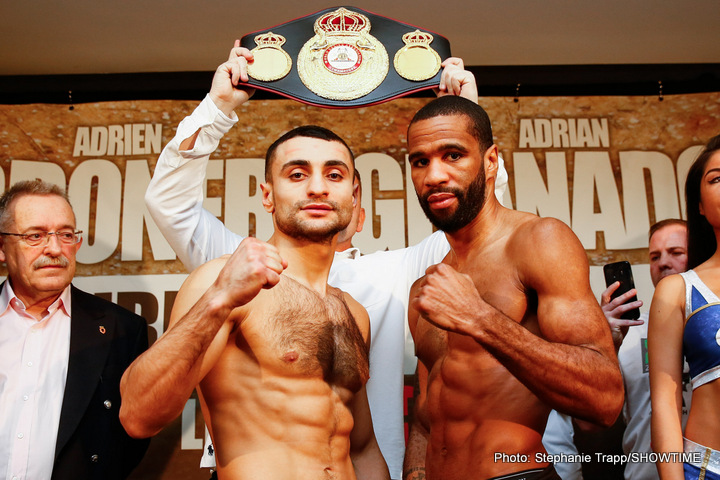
(506, 327)
(280, 358)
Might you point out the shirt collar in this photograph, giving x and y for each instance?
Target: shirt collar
(8, 294)
(351, 253)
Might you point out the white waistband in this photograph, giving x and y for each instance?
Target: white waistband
(706, 377)
(713, 456)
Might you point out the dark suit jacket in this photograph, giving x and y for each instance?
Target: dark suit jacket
(91, 443)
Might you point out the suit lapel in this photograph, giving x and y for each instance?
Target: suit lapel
(90, 339)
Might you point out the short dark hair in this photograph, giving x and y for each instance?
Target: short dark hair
(665, 223)
(480, 127)
(701, 237)
(22, 188)
(310, 131)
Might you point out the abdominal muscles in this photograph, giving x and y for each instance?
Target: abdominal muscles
(279, 398)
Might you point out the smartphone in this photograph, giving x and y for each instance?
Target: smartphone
(621, 272)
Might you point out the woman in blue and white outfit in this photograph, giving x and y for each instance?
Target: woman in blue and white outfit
(685, 320)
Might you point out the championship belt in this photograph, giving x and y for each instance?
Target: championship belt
(345, 57)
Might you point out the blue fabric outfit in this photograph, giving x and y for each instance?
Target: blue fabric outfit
(701, 339)
(707, 466)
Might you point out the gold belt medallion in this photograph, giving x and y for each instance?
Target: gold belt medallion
(270, 61)
(417, 61)
(342, 61)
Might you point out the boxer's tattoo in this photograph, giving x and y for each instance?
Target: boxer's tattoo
(415, 473)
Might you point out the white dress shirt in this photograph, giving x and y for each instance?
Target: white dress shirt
(33, 370)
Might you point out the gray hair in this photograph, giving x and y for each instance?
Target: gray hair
(25, 187)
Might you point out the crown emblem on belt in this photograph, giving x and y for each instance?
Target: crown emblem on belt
(270, 61)
(343, 61)
(417, 61)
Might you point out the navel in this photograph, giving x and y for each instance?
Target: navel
(290, 356)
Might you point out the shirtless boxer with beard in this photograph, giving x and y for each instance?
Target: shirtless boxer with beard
(506, 328)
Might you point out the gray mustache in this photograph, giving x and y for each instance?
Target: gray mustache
(60, 261)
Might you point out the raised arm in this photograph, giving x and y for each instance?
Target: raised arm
(157, 384)
(665, 333)
(455, 80)
(570, 363)
(175, 195)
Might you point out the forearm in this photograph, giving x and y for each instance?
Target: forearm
(667, 437)
(415, 452)
(157, 384)
(365, 454)
(175, 194)
(577, 380)
(369, 463)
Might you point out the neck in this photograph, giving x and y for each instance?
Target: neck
(309, 262)
(37, 306)
(342, 246)
(481, 231)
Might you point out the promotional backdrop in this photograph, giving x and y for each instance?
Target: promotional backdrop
(608, 167)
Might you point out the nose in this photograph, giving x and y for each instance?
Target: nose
(664, 261)
(435, 173)
(317, 185)
(53, 245)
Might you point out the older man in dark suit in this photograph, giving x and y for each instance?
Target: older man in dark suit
(62, 351)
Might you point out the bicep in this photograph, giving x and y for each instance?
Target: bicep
(412, 313)
(188, 296)
(573, 320)
(665, 332)
(421, 372)
(559, 274)
(362, 432)
(419, 414)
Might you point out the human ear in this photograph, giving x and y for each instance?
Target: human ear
(361, 221)
(267, 200)
(491, 161)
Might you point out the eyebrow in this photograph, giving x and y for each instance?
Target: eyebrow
(336, 163)
(445, 146)
(306, 163)
(671, 248)
(44, 229)
(712, 170)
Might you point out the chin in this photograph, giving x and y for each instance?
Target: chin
(54, 282)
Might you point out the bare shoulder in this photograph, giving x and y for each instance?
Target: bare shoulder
(202, 277)
(358, 312)
(551, 232)
(667, 317)
(671, 283)
(195, 286)
(547, 252)
(670, 291)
